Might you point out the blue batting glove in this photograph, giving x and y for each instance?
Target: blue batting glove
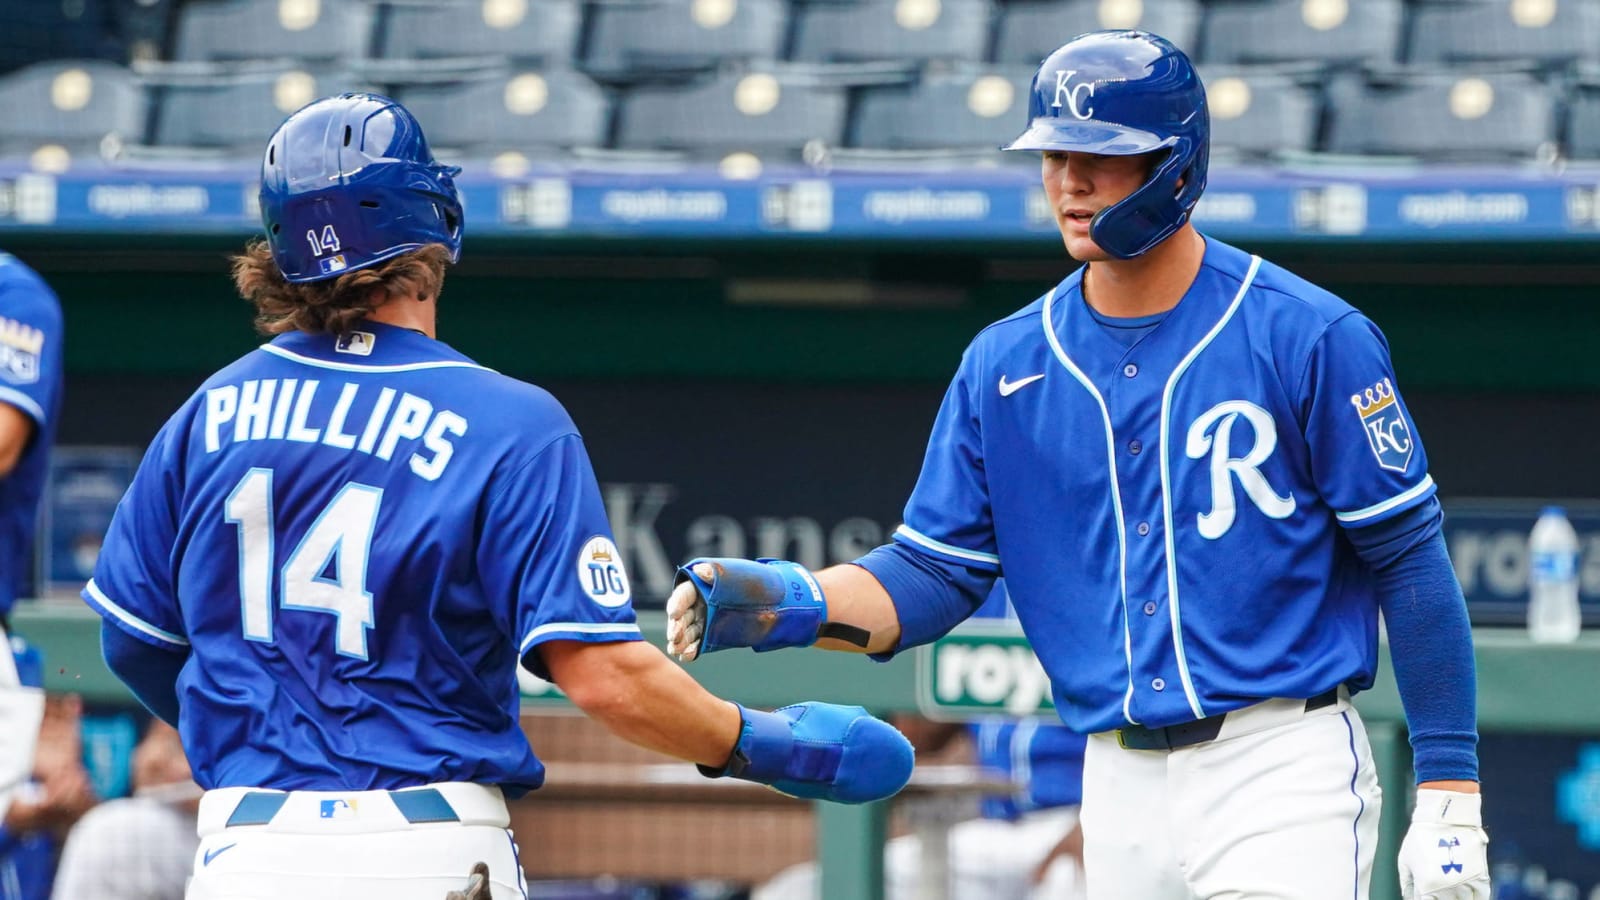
(820, 751)
(764, 604)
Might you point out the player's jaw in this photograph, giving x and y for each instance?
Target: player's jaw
(1079, 185)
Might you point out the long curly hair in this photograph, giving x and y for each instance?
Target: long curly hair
(333, 307)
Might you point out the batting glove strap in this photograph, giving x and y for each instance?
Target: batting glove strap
(767, 604)
(1448, 808)
(820, 751)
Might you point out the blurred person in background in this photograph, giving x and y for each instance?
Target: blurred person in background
(1024, 845)
(55, 797)
(30, 401)
(139, 847)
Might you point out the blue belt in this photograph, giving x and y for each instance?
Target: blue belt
(418, 806)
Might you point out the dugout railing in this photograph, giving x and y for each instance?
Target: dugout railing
(1522, 687)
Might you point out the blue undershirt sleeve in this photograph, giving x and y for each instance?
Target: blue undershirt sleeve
(150, 672)
(1430, 639)
(931, 595)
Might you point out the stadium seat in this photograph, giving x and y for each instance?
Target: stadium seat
(912, 31)
(1330, 32)
(970, 109)
(634, 37)
(537, 33)
(769, 113)
(1545, 32)
(240, 112)
(1490, 116)
(82, 107)
(1031, 29)
(325, 31)
(528, 112)
(1259, 113)
(1583, 123)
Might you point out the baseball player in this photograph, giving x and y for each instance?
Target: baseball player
(1201, 483)
(335, 554)
(30, 403)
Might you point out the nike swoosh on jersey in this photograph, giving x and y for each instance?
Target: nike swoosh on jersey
(1007, 388)
(213, 854)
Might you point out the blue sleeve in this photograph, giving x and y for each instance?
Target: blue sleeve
(948, 515)
(932, 594)
(149, 672)
(547, 555)
(1366, 457)
(133, 584)
(30, 341)
(1430, 639)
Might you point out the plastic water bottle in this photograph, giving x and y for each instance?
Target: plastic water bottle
(1554, 615)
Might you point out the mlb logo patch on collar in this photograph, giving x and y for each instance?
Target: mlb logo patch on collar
(356, 343)
(1388, 434)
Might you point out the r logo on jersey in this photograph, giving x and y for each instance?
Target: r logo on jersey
(1387, 431)
(601, 574)
(1226, 468)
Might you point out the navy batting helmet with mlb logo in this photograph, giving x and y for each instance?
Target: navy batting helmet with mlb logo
(1122, 93)
(348, 182)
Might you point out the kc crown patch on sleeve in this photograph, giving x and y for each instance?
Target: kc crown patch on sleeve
(1388, 433)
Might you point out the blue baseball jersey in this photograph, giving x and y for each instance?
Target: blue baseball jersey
(1168, 509)
(30, 380)
(354, 539)
(1043, 759)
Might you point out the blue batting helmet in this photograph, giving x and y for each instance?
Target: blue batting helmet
(348, 182)
(1122, 93)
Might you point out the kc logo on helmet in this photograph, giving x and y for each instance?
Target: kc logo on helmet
(1387, 431)
(1074, 94)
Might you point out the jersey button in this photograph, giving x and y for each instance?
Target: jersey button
(1159, 684)
(1130, 370)
(1149, 607)
(1135, 447)
(1143, 529)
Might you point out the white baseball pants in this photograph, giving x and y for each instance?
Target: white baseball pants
(21, 712)
(415, 844)
(1282, 805)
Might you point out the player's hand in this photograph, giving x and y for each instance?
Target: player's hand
(686, 614)
(1445, 853)
(820, 751)
(763, 604)
(477, 885)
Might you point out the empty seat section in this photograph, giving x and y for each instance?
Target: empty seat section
(1503, 116)
(541, 32)
(638, 37)
(904, 30)
(535, 113)
(1332, 32)
(768, 113)
(1546, 32)
(1030, 30)
(79, 106)
(327, 31)
(975, 109)
(1257, 114)
(239, 113)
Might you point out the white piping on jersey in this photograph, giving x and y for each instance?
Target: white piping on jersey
(1116, 494)
(1380, 508)
(917, 537)
(24, 402)
(579, 628)
(132, 619)
(1166, 488)
(358, 367)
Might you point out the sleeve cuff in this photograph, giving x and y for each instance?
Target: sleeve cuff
(1400, 502)
(132, 624)
(1445, 757)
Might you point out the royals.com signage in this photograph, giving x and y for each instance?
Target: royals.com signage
(982, 668)
(1488, 542)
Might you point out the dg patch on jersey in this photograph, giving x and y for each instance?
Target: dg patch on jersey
(1387, 431)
